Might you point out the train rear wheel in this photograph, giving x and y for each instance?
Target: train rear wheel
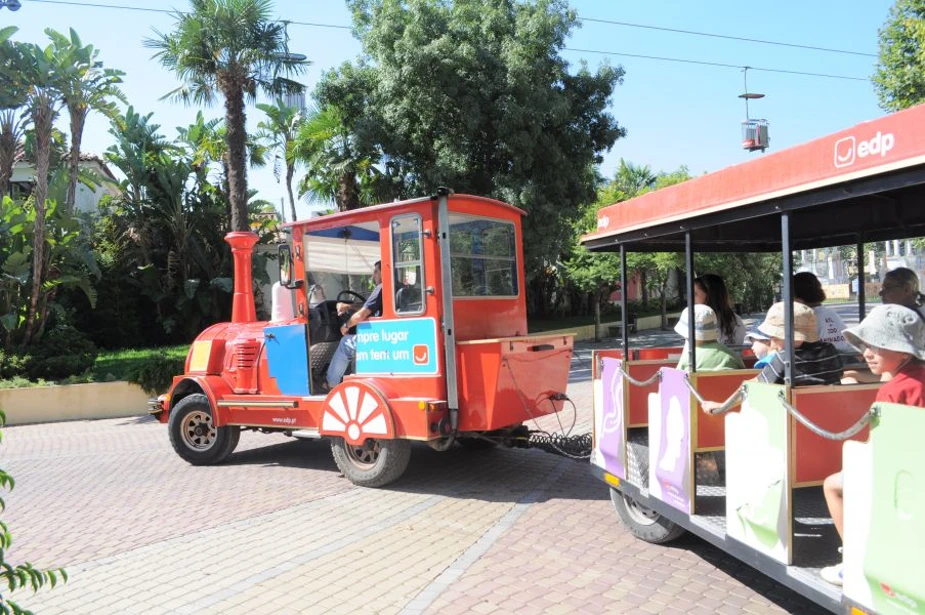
(644, 523)
(375, 463)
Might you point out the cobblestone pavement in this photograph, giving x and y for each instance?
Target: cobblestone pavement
(277, 530)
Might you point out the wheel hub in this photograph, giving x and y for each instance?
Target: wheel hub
(640, 514)
(365, 455)
(199, 433)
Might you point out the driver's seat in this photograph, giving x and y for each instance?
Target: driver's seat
(408, 299)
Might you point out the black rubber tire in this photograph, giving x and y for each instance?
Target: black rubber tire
(221, 446)
(388, 466)
(657, 529)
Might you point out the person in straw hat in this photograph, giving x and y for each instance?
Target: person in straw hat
(814, 362)
(711, 354)
(892, 341)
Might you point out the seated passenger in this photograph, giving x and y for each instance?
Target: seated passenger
(901, 286)
(710, 289)
(808, 290)
(814, 362)
(761, 346)
(892, 340)
(711, 354)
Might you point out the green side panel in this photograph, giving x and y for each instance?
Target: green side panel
(765, 510)
(895, 561)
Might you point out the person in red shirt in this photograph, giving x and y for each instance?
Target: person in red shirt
(892, 341)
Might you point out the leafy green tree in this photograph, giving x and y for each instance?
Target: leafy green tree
(475, 95)
(280, 128)
(900, 75)
(231, 48)
(84, 86)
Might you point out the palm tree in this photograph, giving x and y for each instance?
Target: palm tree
(337, 171)
(43, 100)
(280, 128)
(232, 48)
(85, 85)
(205, 142)
(632, 180)
(12, 116)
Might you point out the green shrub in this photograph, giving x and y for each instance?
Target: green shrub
(62, 352)
(156, 374)
(12, 364)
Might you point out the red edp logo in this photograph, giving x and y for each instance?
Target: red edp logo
(421, 354)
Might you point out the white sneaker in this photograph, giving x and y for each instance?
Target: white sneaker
(832, 574)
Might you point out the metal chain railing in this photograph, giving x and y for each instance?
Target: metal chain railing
(824, 433)
(728, 405)
(642, 383)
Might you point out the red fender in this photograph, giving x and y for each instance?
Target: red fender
(213, 387)
(356, 410)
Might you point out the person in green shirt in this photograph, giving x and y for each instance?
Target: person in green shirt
(711, 354)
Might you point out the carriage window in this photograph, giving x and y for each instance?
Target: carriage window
(408, 264)
(483, 257)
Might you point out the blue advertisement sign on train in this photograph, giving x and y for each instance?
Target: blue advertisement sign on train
(407, 346)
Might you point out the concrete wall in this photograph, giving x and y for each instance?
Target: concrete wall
(99, 400)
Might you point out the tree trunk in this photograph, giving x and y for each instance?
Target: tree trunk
(236, 143)
(663, 302)
(644, 284)
(42, 121)
(78, 118)
(597, 316)
(348, 198)
(290, 171)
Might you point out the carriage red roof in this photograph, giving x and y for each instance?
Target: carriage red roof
(834, 176)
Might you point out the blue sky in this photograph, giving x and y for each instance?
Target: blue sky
(675, 113)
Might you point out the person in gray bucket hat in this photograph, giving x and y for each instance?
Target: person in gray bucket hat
(892, 341)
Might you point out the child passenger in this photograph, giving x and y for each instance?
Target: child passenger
(814, 362)
(892, 341)
(711, 354)
(761, 347)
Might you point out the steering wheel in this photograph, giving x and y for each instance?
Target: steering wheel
(349, 293)
(346, 294)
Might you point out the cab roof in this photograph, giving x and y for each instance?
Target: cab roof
(866, 183)
(356, 216)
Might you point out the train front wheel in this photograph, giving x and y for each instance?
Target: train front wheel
(194, 435)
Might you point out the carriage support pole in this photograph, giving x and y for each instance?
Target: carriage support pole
(787, 295)
(862, 280)
(623, 315)
(689, 266)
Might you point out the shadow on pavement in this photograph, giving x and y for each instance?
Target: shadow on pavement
(306, 454)
(748, 576)
(498, 475)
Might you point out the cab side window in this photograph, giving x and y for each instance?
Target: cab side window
(408, 264)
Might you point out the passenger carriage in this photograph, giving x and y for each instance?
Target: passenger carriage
(860, 185)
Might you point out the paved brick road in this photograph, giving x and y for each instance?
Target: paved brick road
(277, 530)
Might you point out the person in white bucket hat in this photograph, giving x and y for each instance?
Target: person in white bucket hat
(711, 354)
(892, 341)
